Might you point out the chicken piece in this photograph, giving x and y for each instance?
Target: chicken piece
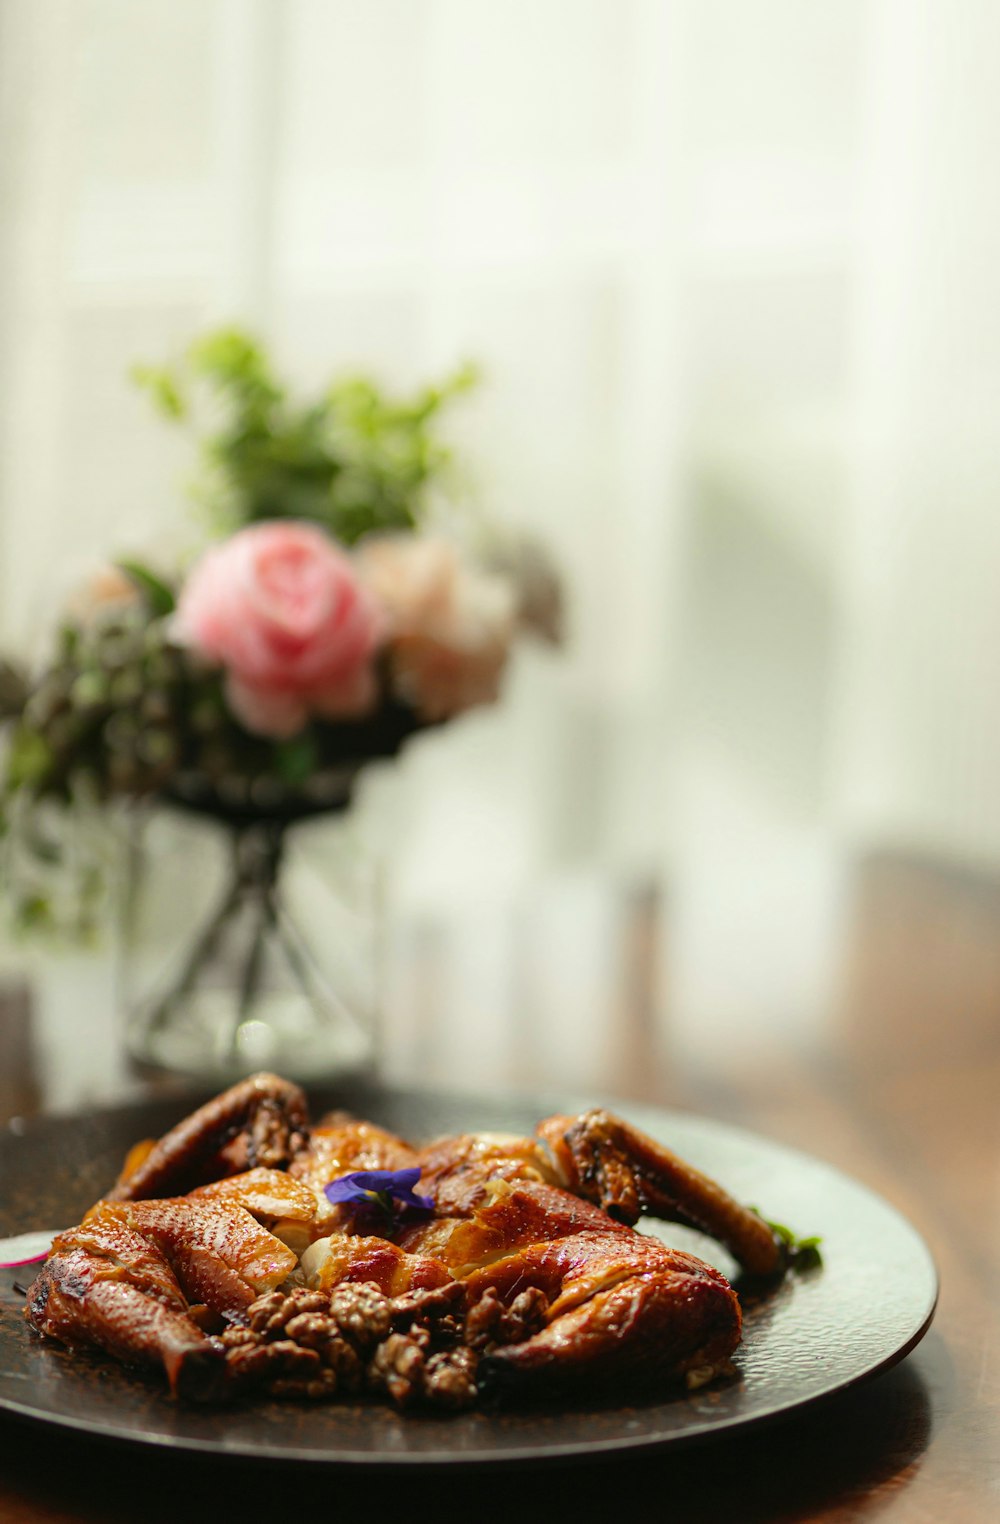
(290, 1210)
(138, 1279)
(341, 1144)
(623, 1309)
(509, 1216)
(345, 1260)
(263, 1120)
(220, 1255)
(627, 1173)
(106, 1286)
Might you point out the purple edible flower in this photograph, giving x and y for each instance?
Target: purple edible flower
(386, 1189)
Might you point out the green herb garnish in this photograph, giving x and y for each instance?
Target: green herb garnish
(801, 1253)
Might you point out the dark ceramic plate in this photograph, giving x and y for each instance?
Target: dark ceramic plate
(819, 1333)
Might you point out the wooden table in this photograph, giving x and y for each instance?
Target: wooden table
(901, 1092)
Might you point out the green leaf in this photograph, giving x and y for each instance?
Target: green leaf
(29, 760)
(13, 690)
(157, 594)
(90, 690)
(802, 1253)
(33, 912)
(353, 459)
(162, 385)
(295, 761)
(232, 360)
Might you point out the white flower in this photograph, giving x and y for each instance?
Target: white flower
(106, 592)
(449, 625)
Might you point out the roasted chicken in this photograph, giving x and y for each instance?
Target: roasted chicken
(220, 1257)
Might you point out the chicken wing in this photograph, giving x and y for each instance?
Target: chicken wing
(263, 1120)
(627, 1173)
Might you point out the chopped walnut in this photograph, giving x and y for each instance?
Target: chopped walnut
(294, 1360)
(307, 1343)
(404, 1369)
(235, 1337)
(441, 1310)
(526, 1315)
(261, 1363)
(247, 1362)
(398, 1367)
(311, 1329)
(449, 1379)
(272, 1312)
(413, 1348)
(489, 1323)
(362, 1312)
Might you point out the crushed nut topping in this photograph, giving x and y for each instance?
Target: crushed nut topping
(419, 1348)
(489, 1323)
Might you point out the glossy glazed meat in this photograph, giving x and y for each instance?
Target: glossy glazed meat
(262, 1121)
(629, 1174)
(612, 1305)
(526, 1278)
(221, 1256)
(107, 1285)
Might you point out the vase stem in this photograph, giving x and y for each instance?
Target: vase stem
(253, 989)
(257, 855)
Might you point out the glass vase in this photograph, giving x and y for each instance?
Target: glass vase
(250, 944)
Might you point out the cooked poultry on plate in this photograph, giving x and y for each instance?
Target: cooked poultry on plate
(248, 1251)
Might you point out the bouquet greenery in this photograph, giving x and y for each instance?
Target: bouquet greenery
(352, 460)
(327, 619)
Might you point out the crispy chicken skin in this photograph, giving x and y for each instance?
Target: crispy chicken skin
(612, 1324)
(290, 1210)
(264, 1120)
(108, 1286)
(526, 1278)
(74, 1302)
(342, 1144)
(344, 1259)
(219, 1253)
(627, 1173)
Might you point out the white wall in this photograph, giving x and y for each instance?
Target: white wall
(730, 269)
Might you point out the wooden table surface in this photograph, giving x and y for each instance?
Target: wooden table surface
(900, 1091)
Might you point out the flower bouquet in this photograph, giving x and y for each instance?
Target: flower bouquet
(332, 612)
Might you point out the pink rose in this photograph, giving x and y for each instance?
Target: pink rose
(281, 608)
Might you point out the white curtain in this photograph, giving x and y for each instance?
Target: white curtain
(729, 268)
